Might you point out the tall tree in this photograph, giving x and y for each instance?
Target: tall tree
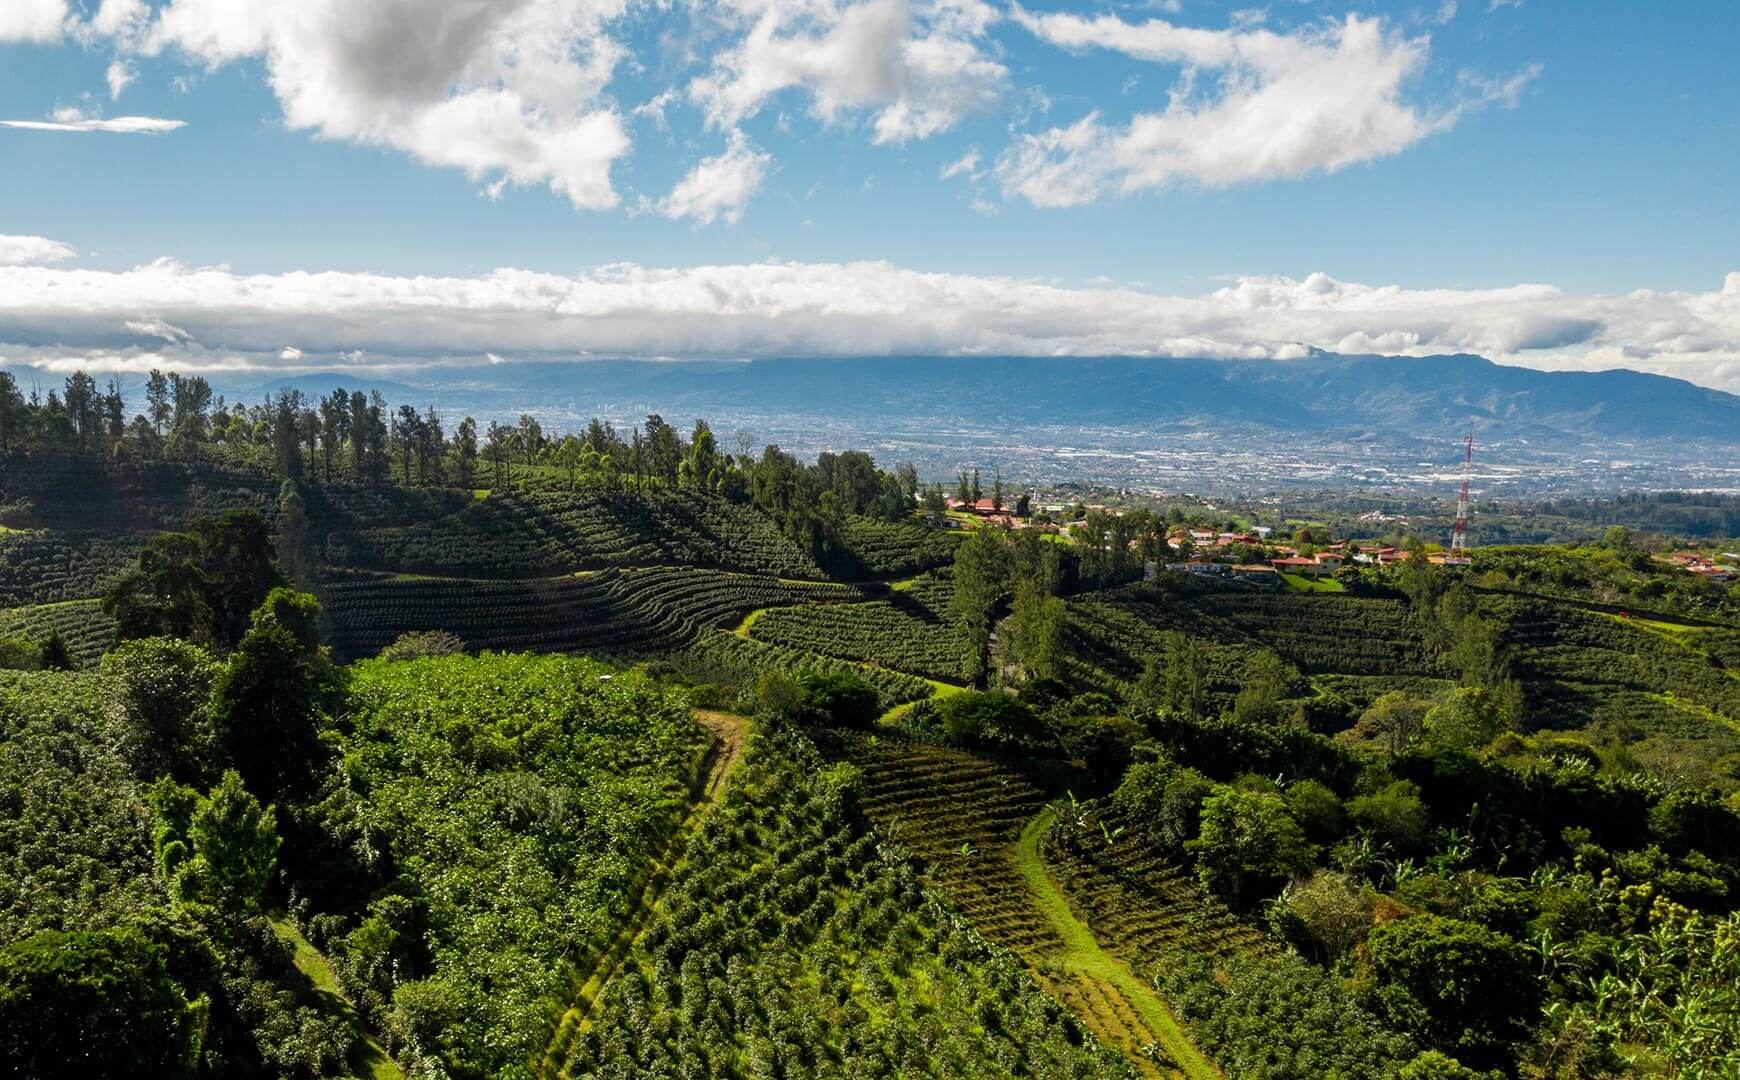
(981, 578)
(465, 451)
(531, 437)
(405, 425)
(157, 400)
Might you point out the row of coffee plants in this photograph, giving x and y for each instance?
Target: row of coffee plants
(81, 624)
(793, 945)
(618, 612)
(912, 630)
(874, 548)
(1559, 642)
(71, 492)
(540, 534)
(736, 664)
(959, 815)
(42, 567)
(1141, 904)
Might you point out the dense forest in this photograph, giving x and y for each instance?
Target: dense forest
(340, 741)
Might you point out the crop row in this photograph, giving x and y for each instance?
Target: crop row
(902, 632)
(959, 814)
(1142, 906)
(721, 657)
(1571, 659)
(42, 567)
(540, 534)
(89, 492)
(87, 631)
(612, 611)
(787, 925)
(870, 547)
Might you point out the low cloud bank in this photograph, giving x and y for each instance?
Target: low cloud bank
(165, 313)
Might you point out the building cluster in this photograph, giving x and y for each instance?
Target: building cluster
(1704, 566)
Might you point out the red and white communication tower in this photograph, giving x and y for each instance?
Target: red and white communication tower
(1459, 532)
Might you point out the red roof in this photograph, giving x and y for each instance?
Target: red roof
(1291, 560)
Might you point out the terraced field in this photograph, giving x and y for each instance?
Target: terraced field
(974, 826)
(612, 611)
(82, 624)
(541, 534)
(724, 658)
(910, 631)
(1141, 905)
(871, 548)
(44, 567)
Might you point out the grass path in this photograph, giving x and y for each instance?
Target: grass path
(729, 732)
(1082, 954)
(368, 1059)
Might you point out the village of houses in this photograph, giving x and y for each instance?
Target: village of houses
(1211, 553)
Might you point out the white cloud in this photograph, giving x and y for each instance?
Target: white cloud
(52, 316)
(157, 328)
(966, 165)
(1282, 105)
(719, 187)
(119, 76)
(919, 66)
(120, 125)
(290, 354)
(124, 20)
(509, 91)
(33, 251)
(32, 20)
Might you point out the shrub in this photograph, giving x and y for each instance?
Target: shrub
(971, 717)
(840, 699)
(165, 686)
(1460, 987)
(93, 1003)
(415, 643)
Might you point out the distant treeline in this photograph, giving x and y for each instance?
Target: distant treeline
(357, 437)
(1698, 514)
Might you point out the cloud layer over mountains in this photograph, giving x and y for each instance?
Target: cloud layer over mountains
(166, 314)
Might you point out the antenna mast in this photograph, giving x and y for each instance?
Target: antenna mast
(1459, 531)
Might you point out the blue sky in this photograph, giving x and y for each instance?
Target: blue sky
(1160, 150)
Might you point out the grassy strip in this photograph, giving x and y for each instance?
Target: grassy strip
(1301, 583)
(742, 630)
(1082, 953)
(368, 1059)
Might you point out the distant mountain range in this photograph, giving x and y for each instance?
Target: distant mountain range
(1348, 396)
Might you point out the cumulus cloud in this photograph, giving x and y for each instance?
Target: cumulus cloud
(1279, 105)
(53, 316)
(33, 251)
(719, 187)
(32, 20)
(511, 92)
(119, 76)
(115, 125)
(918, 66)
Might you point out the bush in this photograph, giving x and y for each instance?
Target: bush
(93, 1003)
(416, 643)
(971, 717)
(839, 699)
(19, 654)
(165, 686)
(1459, 987)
